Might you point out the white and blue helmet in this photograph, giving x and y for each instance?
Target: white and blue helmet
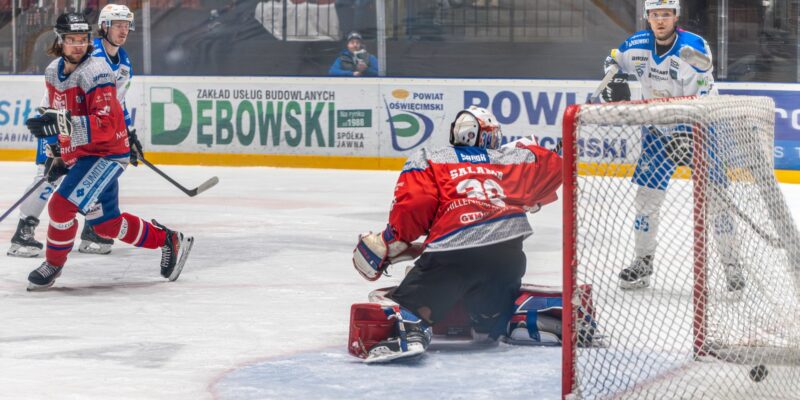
(115, 12)
(477, 127)
(659, 4)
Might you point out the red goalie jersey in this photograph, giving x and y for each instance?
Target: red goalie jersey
(464, 197)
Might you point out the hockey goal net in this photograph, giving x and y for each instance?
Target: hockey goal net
(689, 334)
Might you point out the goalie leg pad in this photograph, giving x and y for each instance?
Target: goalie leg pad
(538, 315)
(536, 320)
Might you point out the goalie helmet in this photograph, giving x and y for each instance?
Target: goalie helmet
(659, 4)
(69, 23)
(114, 12)
(476, 127)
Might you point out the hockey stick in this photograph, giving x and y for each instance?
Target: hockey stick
(612, 70)
(189, 192)
(24, 196)
(695, 58)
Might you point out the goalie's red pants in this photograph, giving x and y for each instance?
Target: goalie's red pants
(64, 227)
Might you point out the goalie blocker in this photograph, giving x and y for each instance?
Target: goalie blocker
(535, 319)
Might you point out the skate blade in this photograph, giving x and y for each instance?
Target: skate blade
(186, 245)
(23, 252)
(32, 287)
(87, 247)
(637, 284)
(412, 353)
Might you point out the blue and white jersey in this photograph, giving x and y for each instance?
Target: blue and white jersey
(123, 72)
(668, 75)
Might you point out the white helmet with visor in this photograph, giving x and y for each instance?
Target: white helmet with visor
(662, 4)
(114, 12)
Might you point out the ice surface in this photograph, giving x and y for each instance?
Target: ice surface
(260, 310)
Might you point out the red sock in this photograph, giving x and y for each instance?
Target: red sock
(62, 230)
(133, 230)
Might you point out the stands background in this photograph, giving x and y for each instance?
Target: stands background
(564, 41)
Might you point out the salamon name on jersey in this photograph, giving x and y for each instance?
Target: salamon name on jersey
(470, 170)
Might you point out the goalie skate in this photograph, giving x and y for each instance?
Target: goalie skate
(637, 276)
(390, 350)
(383, 333)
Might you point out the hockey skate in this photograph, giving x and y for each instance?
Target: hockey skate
(174, 252)
(734, 277)
(637, 276)
(92, 243)
(43, 277)
(22, 243)
(410, 344)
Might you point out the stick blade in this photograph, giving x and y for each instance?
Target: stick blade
(696, 58)
(206, 185)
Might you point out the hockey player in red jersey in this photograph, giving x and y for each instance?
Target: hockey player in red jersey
(92, 153)
(471, 200)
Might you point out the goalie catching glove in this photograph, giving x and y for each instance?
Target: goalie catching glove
(376, 251)
(50, 122)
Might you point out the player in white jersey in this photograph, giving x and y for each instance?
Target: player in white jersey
(114, 24)
(668, 62)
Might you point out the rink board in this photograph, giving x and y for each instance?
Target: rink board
(346, 123)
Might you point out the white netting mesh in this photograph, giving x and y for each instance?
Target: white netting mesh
(689, 335)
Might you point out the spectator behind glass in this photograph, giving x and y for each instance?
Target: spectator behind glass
(354, 60)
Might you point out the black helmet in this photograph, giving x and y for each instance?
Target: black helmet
(72, 23)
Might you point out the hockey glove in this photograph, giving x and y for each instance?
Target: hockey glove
(54, 167)
(375, 252)
(136, 147)
(617, 89)
(50, 122)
